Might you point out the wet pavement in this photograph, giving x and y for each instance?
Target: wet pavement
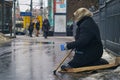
(28, 58)
(35, 58)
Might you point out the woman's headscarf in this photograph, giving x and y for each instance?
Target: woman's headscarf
(81, 12)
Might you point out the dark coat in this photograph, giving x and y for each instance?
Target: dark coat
(88, 46)
(46, 25)
(31, 27)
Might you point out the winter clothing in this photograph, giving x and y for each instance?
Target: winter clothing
(88, 46)
(37, 28)
(31, 27)
(46, 27)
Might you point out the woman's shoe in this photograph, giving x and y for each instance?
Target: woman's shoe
(65, 67)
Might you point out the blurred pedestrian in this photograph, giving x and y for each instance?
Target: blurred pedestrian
(88, 46)
(45, 27)
(30, 29)
(37, 28)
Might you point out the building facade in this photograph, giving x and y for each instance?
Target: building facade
(5, 16)
(73, 5)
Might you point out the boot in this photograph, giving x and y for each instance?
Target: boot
(65, 67)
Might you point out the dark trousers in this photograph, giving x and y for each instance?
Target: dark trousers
(45, 34)
(30, 33)
(37, 33)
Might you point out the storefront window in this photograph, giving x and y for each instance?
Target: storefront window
(7, 18)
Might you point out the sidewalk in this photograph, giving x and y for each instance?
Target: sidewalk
(61, 39)
(35, 58)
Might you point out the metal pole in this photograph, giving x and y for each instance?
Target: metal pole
(41, 7)
(14, 21)
(44, 9)
(31, 6)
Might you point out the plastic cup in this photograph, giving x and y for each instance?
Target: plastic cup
(62, 47)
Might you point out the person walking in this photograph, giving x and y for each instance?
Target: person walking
(37, 28)
(30, 29)
(87, 45)
(45, 27)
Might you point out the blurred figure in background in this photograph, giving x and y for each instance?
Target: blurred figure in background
(30, 29)
(45, 27)
(37, 28)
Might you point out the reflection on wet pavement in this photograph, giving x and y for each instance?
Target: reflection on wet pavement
(32, 60)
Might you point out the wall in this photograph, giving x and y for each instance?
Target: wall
(73, 5)
(108, 19)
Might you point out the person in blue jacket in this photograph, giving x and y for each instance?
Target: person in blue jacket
(87, 45)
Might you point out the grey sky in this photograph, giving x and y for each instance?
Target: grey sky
(25, 4)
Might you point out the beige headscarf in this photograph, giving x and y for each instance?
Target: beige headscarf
(81, 12)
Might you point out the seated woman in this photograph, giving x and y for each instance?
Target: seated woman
(87, 45)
